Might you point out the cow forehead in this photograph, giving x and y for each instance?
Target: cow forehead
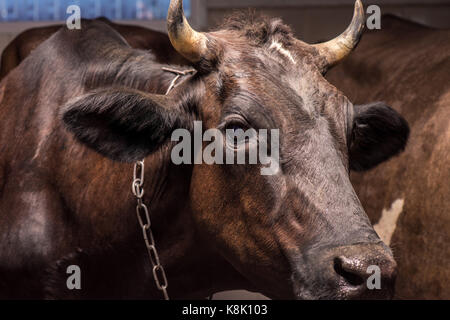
(273, 56)
(274, 62)
(278, 48)
(276, 78)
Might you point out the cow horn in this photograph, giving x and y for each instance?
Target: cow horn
(188, 42)
(337, 49)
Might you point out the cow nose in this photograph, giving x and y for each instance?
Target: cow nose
(350, 270)
(366, 274)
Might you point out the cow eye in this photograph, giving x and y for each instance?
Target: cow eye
(238, 134)
(234, 126)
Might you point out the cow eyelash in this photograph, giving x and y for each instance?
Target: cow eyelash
(234, 123)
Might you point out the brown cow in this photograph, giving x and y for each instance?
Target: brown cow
(408, 65)
(85, 98)
(137, 37)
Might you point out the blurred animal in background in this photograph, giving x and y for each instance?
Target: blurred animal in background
(137, 37)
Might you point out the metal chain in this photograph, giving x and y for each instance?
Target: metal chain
(142, 213)
(179, 74)
(144, 221)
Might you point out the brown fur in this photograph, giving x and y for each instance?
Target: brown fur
(137, 37)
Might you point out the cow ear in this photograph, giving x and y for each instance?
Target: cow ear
(378, 134)
(123, 124)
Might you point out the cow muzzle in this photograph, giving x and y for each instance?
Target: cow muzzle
(360, 271)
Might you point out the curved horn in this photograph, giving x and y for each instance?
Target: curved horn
(337, 49)
(188, 42)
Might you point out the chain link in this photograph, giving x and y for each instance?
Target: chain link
(144, 221)
(142, 213)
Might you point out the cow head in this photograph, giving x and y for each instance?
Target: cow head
(300, 232)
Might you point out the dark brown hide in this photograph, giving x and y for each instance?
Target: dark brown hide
(137, 37)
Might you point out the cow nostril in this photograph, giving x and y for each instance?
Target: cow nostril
(348, 271)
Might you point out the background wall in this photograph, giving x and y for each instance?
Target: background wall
(317, 20)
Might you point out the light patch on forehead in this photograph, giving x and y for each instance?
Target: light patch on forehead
(388, 222)
(279, 47)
